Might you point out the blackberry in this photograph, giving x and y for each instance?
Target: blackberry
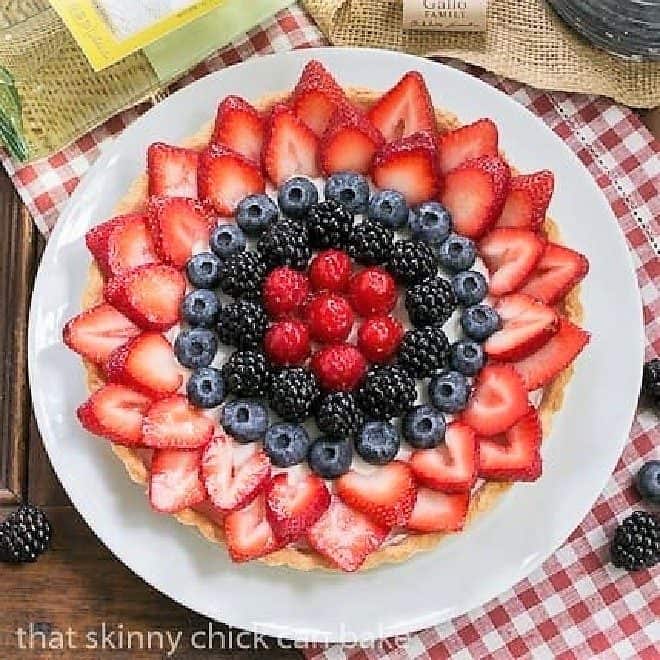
(636, 542)
(242, 324)
(651, 381)
(387, 391)
(286, 243)
(247, 374)
(24, 535)
(412, 262)
(329, 225)
(430, 302)
(371, 243)
(293, 393)
(423, 351)
(242, 274)
(339, 416)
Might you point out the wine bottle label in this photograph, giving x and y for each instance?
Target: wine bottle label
(445, 15)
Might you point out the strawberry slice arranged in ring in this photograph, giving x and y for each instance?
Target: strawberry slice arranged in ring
(239, 127)
(438, 512)
(248, 532)
(172, 423)
(175, 483)
(467, 142)
(528, 200)
(172, 170)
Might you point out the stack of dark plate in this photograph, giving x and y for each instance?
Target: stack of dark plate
(628, 28)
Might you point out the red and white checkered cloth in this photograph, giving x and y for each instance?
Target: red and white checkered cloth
(576, 605)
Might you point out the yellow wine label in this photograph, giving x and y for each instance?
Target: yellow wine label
(445, 15)
(109, 30)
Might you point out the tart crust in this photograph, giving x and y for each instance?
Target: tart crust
(301, 558)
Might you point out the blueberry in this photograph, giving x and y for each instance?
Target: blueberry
(424, 427)
(206, 388)
(349, 189)
(378, 442)
(200, 308)
(449, 391)
(196, 347)
(457, 253)
(297, 196)
(480, 321)
(203, 270)
(227, 239)
(431, 223)
(466, 356)
(389, 208)
(245, 420)
(647, 482)
(255, 213)
(470, 287)
(330, 458)
(286, 444)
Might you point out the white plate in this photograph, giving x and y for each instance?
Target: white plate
(500, 548)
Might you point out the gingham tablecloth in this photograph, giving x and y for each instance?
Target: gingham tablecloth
(576, 605)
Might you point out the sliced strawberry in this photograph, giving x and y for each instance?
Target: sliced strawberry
(467, 142)
(290, 147)
(541, 367)
(146, 363)
(294, 502)
(498, 400)
(98, 331)
(409, 166)
(350, 142)
(175, 483)
(514, 456)
(438, 512)
(149, 295)
(387, 495)
(172, 170)
(316, 96)
(233, 475)
(527, 324)
(510, 255)
(172, 423)
(528, 200)
(225, 178)
(474, 193)
(178, 225)
(239, 127)
(452, 465)
(556, 273)
(345, 537)
(115, 412)
(121, 244)
(405, 109)
(248, 532)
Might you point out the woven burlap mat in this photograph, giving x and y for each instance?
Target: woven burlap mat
(525, 40)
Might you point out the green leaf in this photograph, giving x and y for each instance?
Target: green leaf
(11, 118)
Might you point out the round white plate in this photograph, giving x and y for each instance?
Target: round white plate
(467, 570)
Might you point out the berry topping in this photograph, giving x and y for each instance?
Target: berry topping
(227, 239)
(330, 458)
(339, 416)
(245, 420)
(431, 302)
(175, 483)
(330, 271)
(650, 381)
(239, 127)
(372, 291)
(248, 532)
(449, 391)
(329, 224)
(203, 270)
(647, 482)
(438, 512)
(424, 427)
(469, 286)
(286, 444)
(293, 393)
(200, 308)
(636, 542)
(339, 367)
(378, 442)
(474, 194)
(285, 244)
(287, 343)
(242, 324)
(498, 400)
(24, 535)
(387, 392)
(371, 242)
(349, 189)
(386, 495)
(527, 201)
(284, 291)
(431, 223)
(467, 142)
(242, 275)
(255, 213)
(173, 423)
(172, 170)
(457, 253)
(206, 387)
(330, 317)
(297, 196)
(196, 347)
(424, 351)
(480, 321)
(379, 338)
(247, 374)
(389, 208)
(412, 262)
(466, 356)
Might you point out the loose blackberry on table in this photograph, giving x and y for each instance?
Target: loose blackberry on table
(651, 382)
(339, 416)
(196, 347)
(430, 302)
(412, 262)
(242, 324)
(200, 308)
(227, 239)
(423, 351)
(244, 419)
(286, 243)
(203, 270)
(330, 457)
(387, 391)
(297, 196)
(636, 542)
(247, 374)
(293, 393)
(24, 535)
(242, 275)
(349, 189)
(329, 225)
(371, 243)
(255, 213)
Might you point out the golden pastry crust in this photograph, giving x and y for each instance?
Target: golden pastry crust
(303, 559)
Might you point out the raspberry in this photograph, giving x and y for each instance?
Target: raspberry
(372, 291)
(330, 271)
(330, 318)
(284, 291)
(339, 367)
(287, 343)
(379, 338)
